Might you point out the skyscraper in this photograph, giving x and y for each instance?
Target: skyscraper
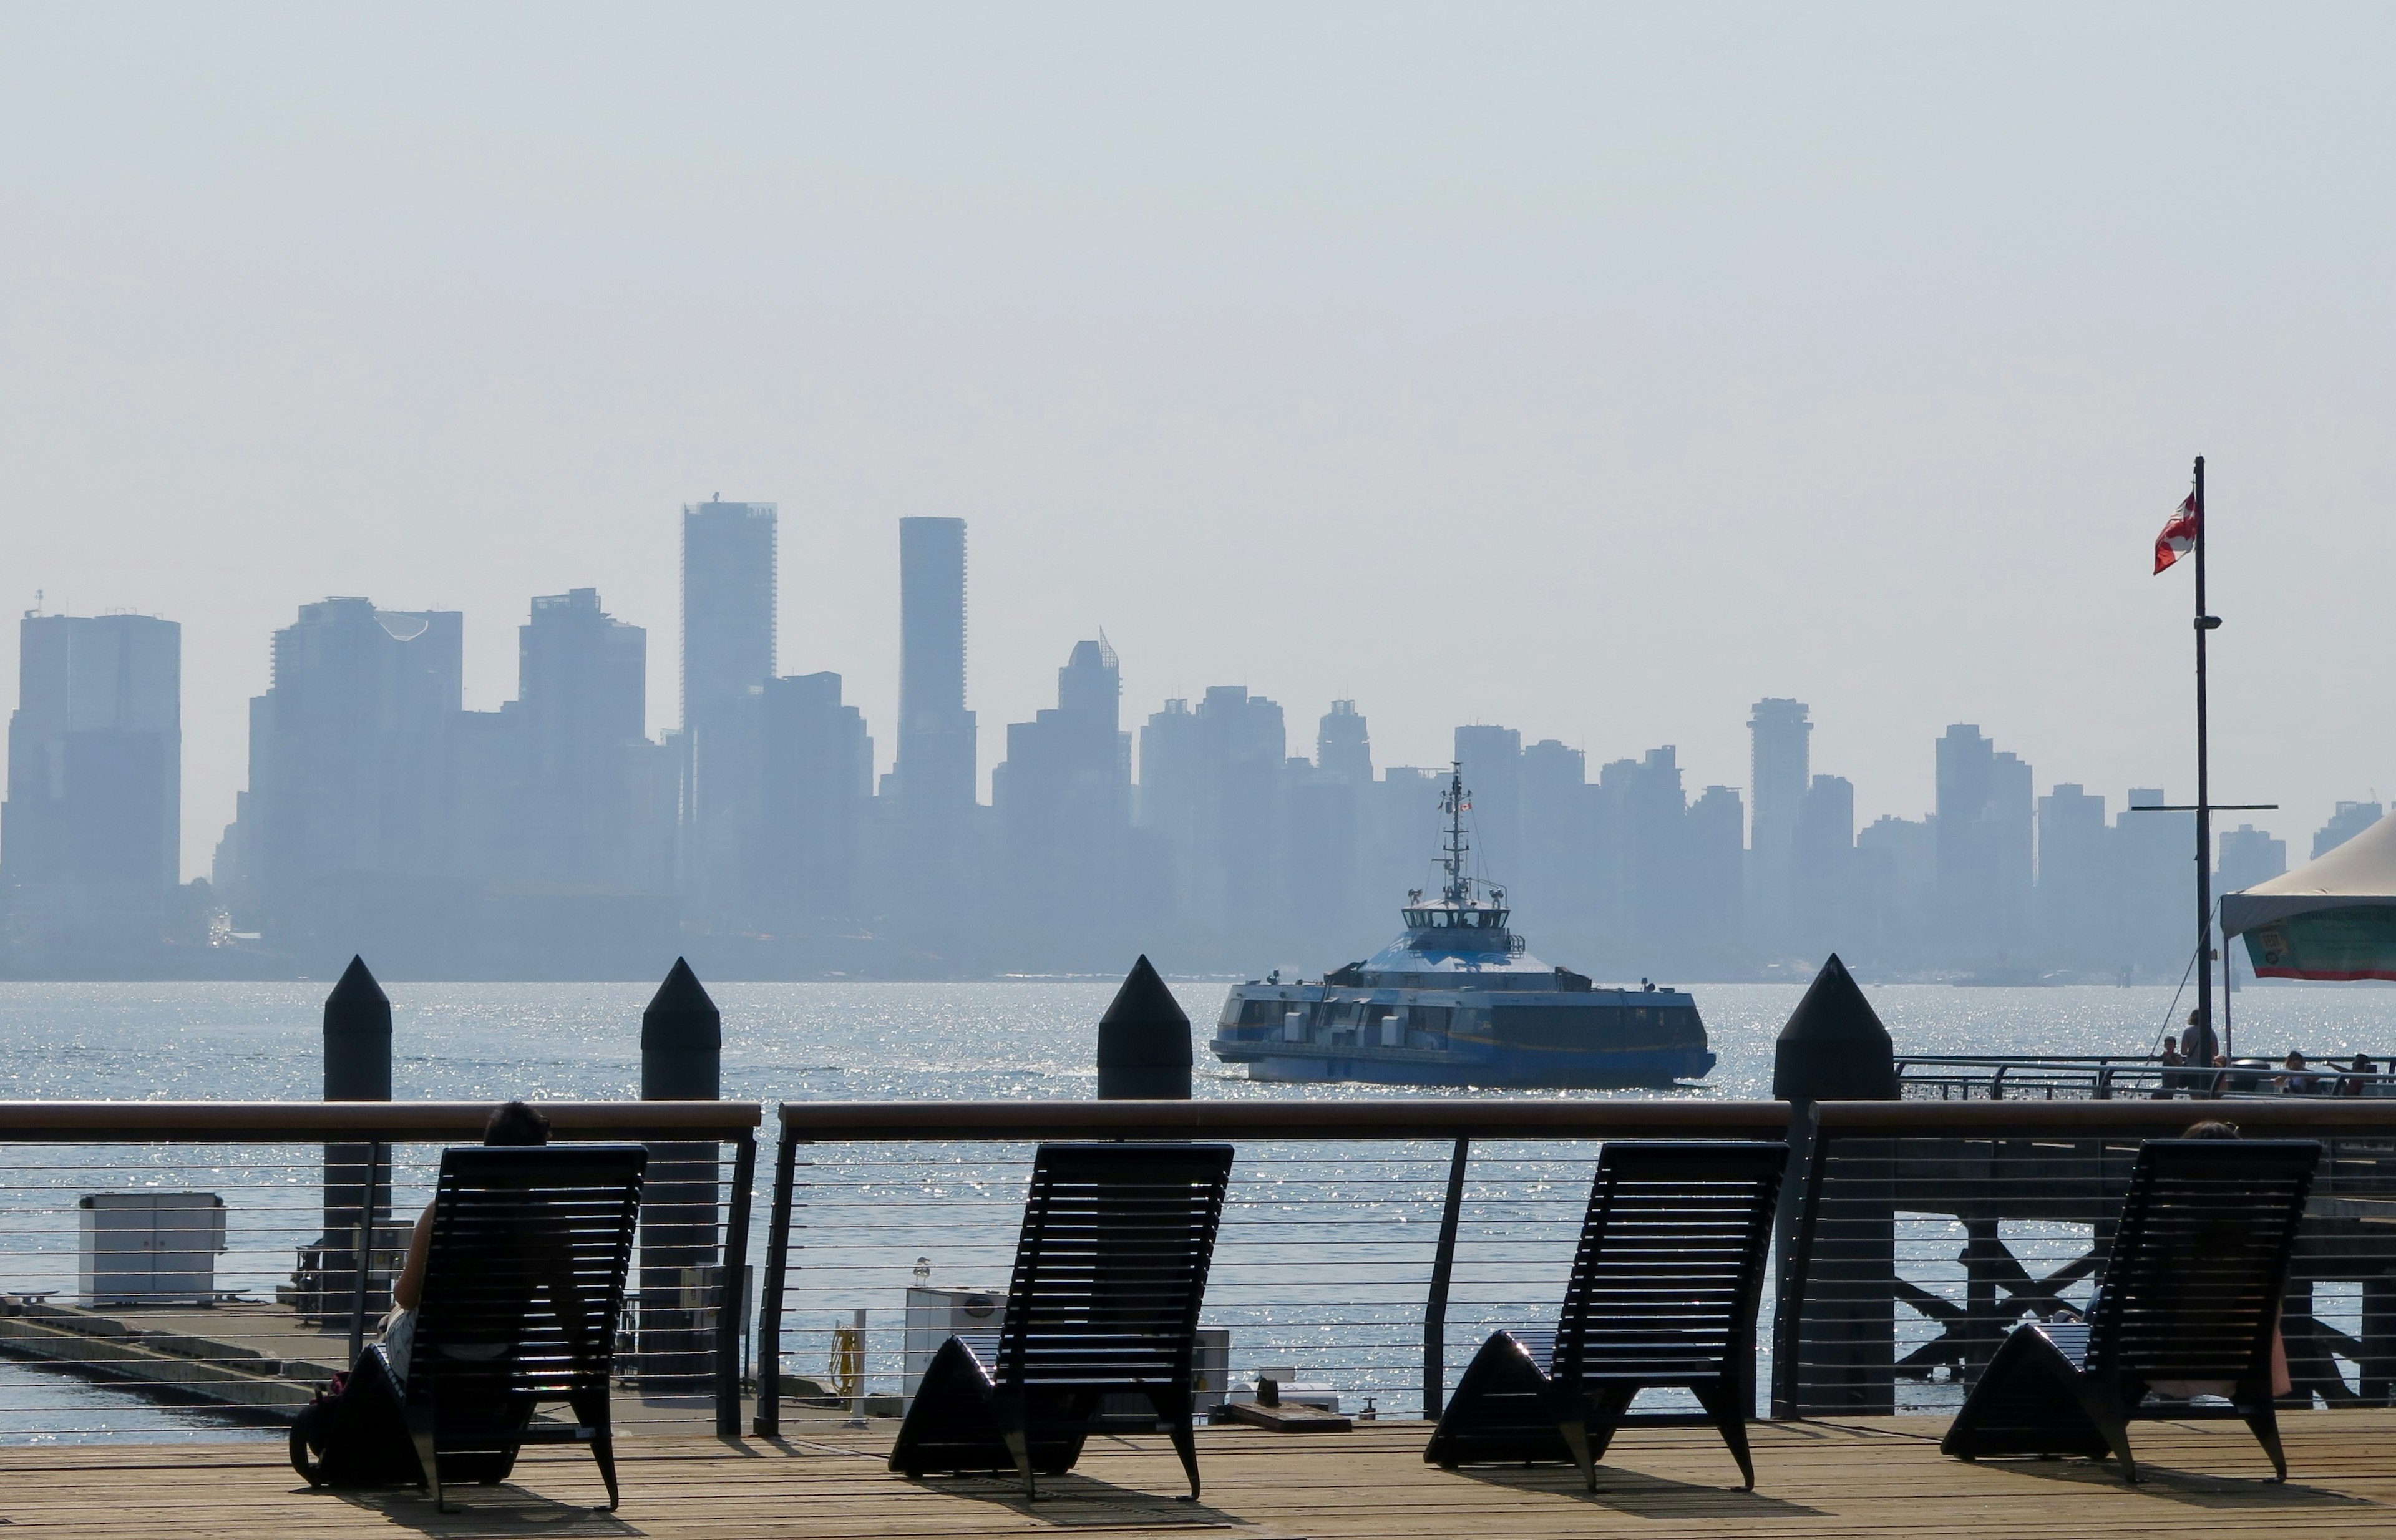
(1985, 849)
(727, 605)
(2077, 880)
(1063, 802)
(2345, 821)
(938, 764)
(348, 818)
(1342, 745)
(2156, 855)
(815, 774)
(581, 688)
(1212, 784)
(1780, 763)
(90, 834)
(1822, 870)
(1492, 757)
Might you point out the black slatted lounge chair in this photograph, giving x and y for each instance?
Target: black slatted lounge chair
(1663, 1294)
(522, 1289)
(1110, 1273)
(2189, 1296)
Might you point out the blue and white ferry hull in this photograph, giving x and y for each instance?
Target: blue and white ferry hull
(1496, 1036)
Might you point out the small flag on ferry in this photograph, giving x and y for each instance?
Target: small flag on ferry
(2179, 536)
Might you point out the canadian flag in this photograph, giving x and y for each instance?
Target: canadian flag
(2178, 534)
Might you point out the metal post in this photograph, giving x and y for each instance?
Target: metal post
(364, 1250)
(731, 1301)
(856, 1397)
(1443, 1264)
(2204, 623)
(768, 1422)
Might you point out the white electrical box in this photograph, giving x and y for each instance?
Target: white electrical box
(149, 1247)
(935, 1315)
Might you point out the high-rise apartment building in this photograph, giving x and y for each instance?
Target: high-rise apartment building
(2155, 855)
(2078, 882)
(90, 833)
(1780, 763)
(2249, 855)
(1985, 849)
(350, 811)
(938, 764)
(583, 692)
(728, 609)
(1492, 757)
(1344, 745)
(814, 778)
(727, 605)
(2347, 820)
(1063, 803)
(1822, 870)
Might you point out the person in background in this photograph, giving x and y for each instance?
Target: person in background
(2296, 1078)
(2172, 1060)
(2358, 1077)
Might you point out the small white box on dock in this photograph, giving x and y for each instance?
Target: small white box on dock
(147, 1247)
(935, 1315)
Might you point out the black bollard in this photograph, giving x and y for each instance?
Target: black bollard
(682, 1055)
(1144, 1041)
(357, 1069)
(1841, 1357)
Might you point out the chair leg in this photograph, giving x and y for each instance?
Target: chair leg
(1178, 1415)
(419, 1430)
(1575, 1437)
(1720, 1400)
(2264, 1422)
(592, 1413)
(1019, 1449)
(2104, 1409)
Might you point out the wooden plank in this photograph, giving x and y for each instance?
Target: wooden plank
(1860, 1479)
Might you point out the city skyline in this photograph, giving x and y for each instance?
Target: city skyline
(381, 810)
(659, 719)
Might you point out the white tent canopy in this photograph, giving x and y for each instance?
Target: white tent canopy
(2357, 874)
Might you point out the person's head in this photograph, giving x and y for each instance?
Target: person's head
(2191, 1018)
(2363, 1062)
(516, 1123)
(2212, 1128)
(2295, 1060)
(2170, 1044)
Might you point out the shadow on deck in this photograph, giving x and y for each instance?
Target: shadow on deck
(1860, 1477)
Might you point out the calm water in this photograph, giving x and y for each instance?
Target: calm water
(863, 1042)
(857, 1041)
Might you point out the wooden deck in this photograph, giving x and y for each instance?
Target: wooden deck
(1865, 1478)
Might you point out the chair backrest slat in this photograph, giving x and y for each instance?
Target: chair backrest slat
(1671, 1258)
(1111, 1267)
(526, 1275)
(2192, 1286)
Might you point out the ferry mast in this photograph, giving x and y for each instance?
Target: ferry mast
(1452, 803)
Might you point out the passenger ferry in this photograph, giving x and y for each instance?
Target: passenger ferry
(1458, 999)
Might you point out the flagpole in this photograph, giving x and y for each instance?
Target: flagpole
(2204, 623)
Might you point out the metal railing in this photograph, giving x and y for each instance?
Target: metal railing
(1923, 1230)
(2067, 1076)
(1357, 1238)
(208, 1254)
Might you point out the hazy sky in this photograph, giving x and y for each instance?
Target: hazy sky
(1594, 370)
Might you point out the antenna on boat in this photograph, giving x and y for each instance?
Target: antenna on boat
(1453, 803)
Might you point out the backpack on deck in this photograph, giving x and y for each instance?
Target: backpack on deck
(356, 1433)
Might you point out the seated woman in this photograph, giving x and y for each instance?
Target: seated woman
(513, 1125)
